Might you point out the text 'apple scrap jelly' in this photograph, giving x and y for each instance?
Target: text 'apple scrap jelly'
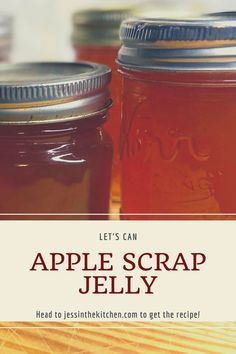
(55, 156)
(179, 109)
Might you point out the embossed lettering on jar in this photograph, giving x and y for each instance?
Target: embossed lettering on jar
(55, 157)
(178, 129)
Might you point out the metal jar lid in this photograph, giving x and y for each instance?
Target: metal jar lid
(207, 43)
(98, 26)
(35, 93)
(6, 28)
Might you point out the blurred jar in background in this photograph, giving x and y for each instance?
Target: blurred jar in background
(178, 120)
(96, 38)
(231, 15)
(5, 37)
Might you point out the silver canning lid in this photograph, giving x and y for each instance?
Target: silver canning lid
(6, 29)
(208, 43)
(34, 93)
(100, 27)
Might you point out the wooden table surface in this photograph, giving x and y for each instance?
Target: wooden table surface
(122, 338)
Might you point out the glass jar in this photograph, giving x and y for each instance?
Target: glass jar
(5, 37)
(96, 38)
(179, 127)
(55, 156)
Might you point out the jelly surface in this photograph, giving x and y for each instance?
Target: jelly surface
(56, 168)
(178, 143)
(107, 55)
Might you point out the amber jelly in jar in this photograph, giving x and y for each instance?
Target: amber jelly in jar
(55, 156)
(179, 108)
(96, 38)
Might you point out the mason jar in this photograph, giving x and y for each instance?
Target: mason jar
(55, 156)
(96, 38)
(178, 129)
(6, 30)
